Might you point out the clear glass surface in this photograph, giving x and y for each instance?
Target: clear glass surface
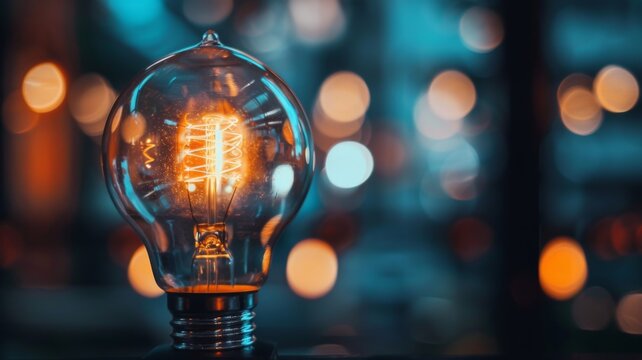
(208, 155)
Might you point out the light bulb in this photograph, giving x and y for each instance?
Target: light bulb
(208, 155)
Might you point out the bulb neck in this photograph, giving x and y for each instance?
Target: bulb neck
(205, 321)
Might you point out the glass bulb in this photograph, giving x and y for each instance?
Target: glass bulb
(208, 155)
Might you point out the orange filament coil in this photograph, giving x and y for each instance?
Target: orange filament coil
(212, 150)
(148, 158)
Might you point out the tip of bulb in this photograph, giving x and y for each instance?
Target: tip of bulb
(210, 37)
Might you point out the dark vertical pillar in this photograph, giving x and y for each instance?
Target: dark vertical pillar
(4, 33)
(520, 320)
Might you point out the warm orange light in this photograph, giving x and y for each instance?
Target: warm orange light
(220, 289)
(562, 268)
(141, 276)
(149, 159)
(133, 127)
(312, 268)
(212, 150)
(580, 111)
(41, 172)
(571, 81)
(268, 229)
(43, 87)
(579, 104)
(616, 89)
(344, 97)
(288, 135)
(267, 259)
(451, 95)
(210, 155)
(90, 99)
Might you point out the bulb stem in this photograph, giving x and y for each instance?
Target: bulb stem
(209, 321)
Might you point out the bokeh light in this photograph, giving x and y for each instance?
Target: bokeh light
(264, 25)
(312, 268)
(616, 89)
(580, 111)
(579, 103)
(348, 164)
(622, 235)
(562, 268)
(430, 125)
(344, 97)
(207, 12)
(629, 314)
(452, 95)
(17, 117)
(458, 172)
(593, 309)
(282, 180)
(481, 29)
(571, 81)
(90, 99)
(44, 87)
(133, 127)
(140, 274)
(317, 21)
(615, 236)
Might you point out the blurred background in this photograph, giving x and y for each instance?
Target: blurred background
(477, 191)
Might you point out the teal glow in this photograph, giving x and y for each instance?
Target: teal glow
(290, 111)
(247, 58)
(258, 101)
(134, 100)
(139, 12)
(148, 27)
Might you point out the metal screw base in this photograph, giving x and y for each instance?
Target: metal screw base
(203, 321)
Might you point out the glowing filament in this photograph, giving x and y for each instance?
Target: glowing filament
(148, 158)
(212, 155)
